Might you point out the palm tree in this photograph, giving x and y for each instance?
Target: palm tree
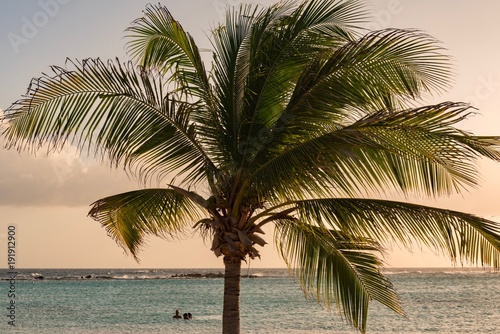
(300, 119)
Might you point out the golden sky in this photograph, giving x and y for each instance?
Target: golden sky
(47, 198)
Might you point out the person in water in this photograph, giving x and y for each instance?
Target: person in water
(177, 314)
(187, 316)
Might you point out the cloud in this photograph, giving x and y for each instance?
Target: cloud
(57, 179)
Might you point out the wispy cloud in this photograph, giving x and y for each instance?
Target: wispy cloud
(58, 179)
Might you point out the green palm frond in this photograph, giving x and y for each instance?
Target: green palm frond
(386, 69)
(382, 70)
(129, 217)
(233, 50)
(158, 40)
(259, 55)
(113, 110)
(426, 152)
(414, 150)
(336, 269)
(280, 53)
(364, 75)
(461, 236)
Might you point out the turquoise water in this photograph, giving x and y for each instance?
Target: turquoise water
(120, 301)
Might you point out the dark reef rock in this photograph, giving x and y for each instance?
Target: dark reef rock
(208, 275)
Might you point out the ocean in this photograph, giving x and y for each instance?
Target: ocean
(106, 301)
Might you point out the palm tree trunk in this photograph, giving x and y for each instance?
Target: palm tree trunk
(231, 312)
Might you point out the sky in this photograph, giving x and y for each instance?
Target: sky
(47, 198)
